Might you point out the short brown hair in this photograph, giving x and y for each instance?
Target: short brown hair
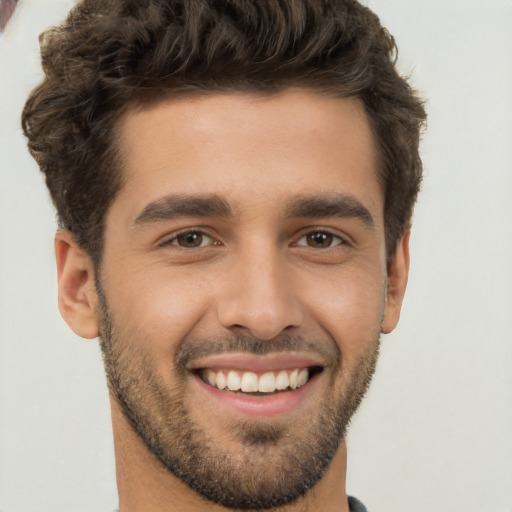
(112, 53)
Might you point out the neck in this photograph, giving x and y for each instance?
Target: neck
(145, 485)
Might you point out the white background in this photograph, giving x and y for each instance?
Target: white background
(435, 433)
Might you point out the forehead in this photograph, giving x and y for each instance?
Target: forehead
(248, 148)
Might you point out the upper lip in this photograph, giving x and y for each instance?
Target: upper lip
(250, 362)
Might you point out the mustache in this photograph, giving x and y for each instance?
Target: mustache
(191, 349)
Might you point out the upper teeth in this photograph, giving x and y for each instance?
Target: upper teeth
(250, 382)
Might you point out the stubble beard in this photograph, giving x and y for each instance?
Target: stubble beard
(273, 466)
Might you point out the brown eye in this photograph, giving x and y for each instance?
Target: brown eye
(322, 240)
(319, 240)
(192, 240)
(189, 239)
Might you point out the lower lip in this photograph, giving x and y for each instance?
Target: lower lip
(272, 405)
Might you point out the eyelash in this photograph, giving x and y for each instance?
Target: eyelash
(173, 241)
(340, 240)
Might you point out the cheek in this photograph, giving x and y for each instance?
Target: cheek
(350, 306)
(155, 311)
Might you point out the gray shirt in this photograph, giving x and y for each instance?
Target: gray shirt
(354, 504)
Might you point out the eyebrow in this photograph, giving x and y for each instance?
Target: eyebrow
(336, 205)
(182, 205)
(175, 206)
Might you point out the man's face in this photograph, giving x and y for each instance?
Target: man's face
(246, 248)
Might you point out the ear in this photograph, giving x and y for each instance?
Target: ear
(398, 273)
(76, 284)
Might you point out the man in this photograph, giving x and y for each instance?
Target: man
(235, 182)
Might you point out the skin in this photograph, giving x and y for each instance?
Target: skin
(256, 271)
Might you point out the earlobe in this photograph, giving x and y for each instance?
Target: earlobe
(76, 284)
(398, 273)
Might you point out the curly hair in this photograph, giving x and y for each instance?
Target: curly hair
(111, 54)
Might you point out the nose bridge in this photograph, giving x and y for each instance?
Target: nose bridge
(258, 294)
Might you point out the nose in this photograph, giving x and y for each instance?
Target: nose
(258, 294)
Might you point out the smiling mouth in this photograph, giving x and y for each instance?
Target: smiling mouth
(257, 384)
